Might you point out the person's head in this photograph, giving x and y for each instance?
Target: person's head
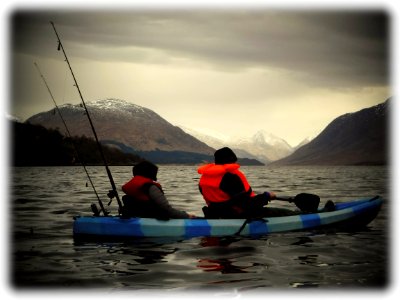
(224, 156)
(145, 169)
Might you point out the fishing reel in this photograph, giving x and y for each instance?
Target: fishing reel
(111, 194)
(96, 211)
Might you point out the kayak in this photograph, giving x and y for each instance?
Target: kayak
(345, 214)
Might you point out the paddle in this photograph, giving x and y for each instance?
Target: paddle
(306, 202)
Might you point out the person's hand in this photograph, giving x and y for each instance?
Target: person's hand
(268, 196)
(191, 216)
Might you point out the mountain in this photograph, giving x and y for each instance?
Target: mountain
(302, 143)
(359, 138)
(262, 146)
(127, 126)
(212, 139)
(12, 118)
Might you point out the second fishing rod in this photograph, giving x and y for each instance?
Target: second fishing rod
(94, 208)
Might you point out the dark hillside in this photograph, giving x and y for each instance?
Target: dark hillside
(359, 138)
(34, 145)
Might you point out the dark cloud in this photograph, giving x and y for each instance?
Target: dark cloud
(325, 48)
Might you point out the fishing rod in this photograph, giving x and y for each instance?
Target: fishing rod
(112, 193)
(73, 144)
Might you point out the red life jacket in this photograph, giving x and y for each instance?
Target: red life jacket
(135, 187)
(210, 181)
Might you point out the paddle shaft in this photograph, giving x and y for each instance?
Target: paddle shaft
(304, 201)
(284, 198)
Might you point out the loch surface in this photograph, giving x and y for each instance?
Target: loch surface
(44, 254)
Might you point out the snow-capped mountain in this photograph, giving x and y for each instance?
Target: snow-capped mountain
(263, 146)
(124, 124)
(12, 118)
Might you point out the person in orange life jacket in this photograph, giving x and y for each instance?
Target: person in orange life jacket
(226, 189)
(145, 197)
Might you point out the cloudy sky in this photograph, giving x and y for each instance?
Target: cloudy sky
(233, 71)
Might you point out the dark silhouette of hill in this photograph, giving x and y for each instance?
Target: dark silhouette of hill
(34, 145)
(359, 138)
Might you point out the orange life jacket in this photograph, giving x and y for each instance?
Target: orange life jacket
(210, 181)
(135, 187)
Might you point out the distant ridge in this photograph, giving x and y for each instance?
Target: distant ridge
(359, 138)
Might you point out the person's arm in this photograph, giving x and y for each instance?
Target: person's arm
(232, 185)
(162, 203)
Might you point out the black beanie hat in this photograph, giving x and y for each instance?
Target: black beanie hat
(224, 156)
(145, 169)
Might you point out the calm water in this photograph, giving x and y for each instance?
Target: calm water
(44, 254)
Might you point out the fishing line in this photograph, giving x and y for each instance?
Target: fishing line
(69, 135)
(64, 85)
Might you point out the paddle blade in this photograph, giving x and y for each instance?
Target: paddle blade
(307, 202)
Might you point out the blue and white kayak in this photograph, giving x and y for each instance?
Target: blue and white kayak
(348, 214)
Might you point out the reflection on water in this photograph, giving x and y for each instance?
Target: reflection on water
(225, 266)
(44, 253)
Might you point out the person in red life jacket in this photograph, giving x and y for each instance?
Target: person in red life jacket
(226, 190)
(145, 197)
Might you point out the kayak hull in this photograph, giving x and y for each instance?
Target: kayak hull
(347, 214)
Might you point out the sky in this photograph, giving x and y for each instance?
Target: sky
(237, 70)
(234, 71)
